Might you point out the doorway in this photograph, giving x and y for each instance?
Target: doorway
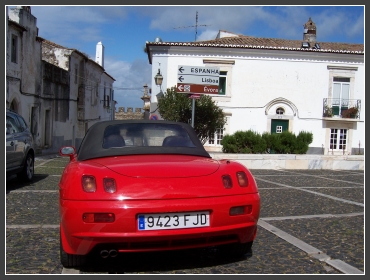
(278, 126)
(47, 142)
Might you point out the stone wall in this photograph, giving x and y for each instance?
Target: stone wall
(129, 114)
(292, 161)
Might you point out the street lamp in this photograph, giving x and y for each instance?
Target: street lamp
(158, 79)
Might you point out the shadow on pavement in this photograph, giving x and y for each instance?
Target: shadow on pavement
(13, 183)
(161, 262)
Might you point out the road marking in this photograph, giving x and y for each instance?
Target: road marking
(310, 250)
(310, 175)
(344, 267)
(44, 162)
(70, 271)
(277, 188)
(312, 216)
(316, 193)
(55, 167)
(31, 226)
(37, 191)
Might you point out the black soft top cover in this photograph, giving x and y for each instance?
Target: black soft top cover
(140, 137)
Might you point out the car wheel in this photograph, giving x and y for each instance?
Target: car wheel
(28, 169)
(69, 260)
(236, 249)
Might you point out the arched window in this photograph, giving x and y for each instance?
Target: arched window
(280, 111)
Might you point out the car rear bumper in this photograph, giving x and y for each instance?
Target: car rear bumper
(123, 234)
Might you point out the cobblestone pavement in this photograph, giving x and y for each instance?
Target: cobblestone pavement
(322, 208)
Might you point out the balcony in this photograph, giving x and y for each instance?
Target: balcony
(341, 108)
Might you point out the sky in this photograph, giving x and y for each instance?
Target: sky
(124, 30)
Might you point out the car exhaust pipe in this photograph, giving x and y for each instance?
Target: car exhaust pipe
(104, 254)
(113, 253)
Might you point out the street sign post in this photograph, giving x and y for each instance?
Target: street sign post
(197, 80)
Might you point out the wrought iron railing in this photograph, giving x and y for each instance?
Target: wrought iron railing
(343, 108)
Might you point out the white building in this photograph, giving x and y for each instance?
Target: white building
(272, 85)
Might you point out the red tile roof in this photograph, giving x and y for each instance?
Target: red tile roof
(248, 42)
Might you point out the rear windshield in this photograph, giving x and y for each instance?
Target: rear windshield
(140, 137)
(150, 135)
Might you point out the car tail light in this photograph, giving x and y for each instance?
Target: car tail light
(226, 180)
(109, 185)
(98, 217)
(242, 178)
(88, 183)
(240, 210)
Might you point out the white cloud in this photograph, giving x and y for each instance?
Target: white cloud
(130, 81)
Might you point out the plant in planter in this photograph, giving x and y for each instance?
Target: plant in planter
(328, 111)
(350, 112)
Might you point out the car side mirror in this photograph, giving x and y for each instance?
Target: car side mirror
(68, 151)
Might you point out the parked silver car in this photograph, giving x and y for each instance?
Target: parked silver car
(20, 148)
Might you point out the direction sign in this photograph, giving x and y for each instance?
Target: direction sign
(199, 89)
(198, 79)
(198, 71)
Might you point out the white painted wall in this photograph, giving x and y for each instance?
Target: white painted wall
(258, 77)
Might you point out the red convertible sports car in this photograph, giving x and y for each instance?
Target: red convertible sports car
(142, 185)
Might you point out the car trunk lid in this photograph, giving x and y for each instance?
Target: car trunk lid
(160, 166)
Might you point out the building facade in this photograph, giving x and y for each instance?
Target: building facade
(59, 91)
(273, 85)
(23, 64)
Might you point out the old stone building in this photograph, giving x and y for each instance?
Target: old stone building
(87, 97)
(23, 67)
(59, 91)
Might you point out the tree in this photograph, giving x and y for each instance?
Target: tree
(208, 117)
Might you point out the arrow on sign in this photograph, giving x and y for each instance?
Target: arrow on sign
(181, 78)
(185, 88)
(181, 69)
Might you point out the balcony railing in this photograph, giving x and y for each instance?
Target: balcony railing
(342, 108)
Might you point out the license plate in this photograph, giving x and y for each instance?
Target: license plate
(173, 220)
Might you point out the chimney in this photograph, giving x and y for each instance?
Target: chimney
(100, 54)
(309, 32)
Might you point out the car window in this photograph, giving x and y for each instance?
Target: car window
(12, 125)
(22, 123)
(126, 135)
